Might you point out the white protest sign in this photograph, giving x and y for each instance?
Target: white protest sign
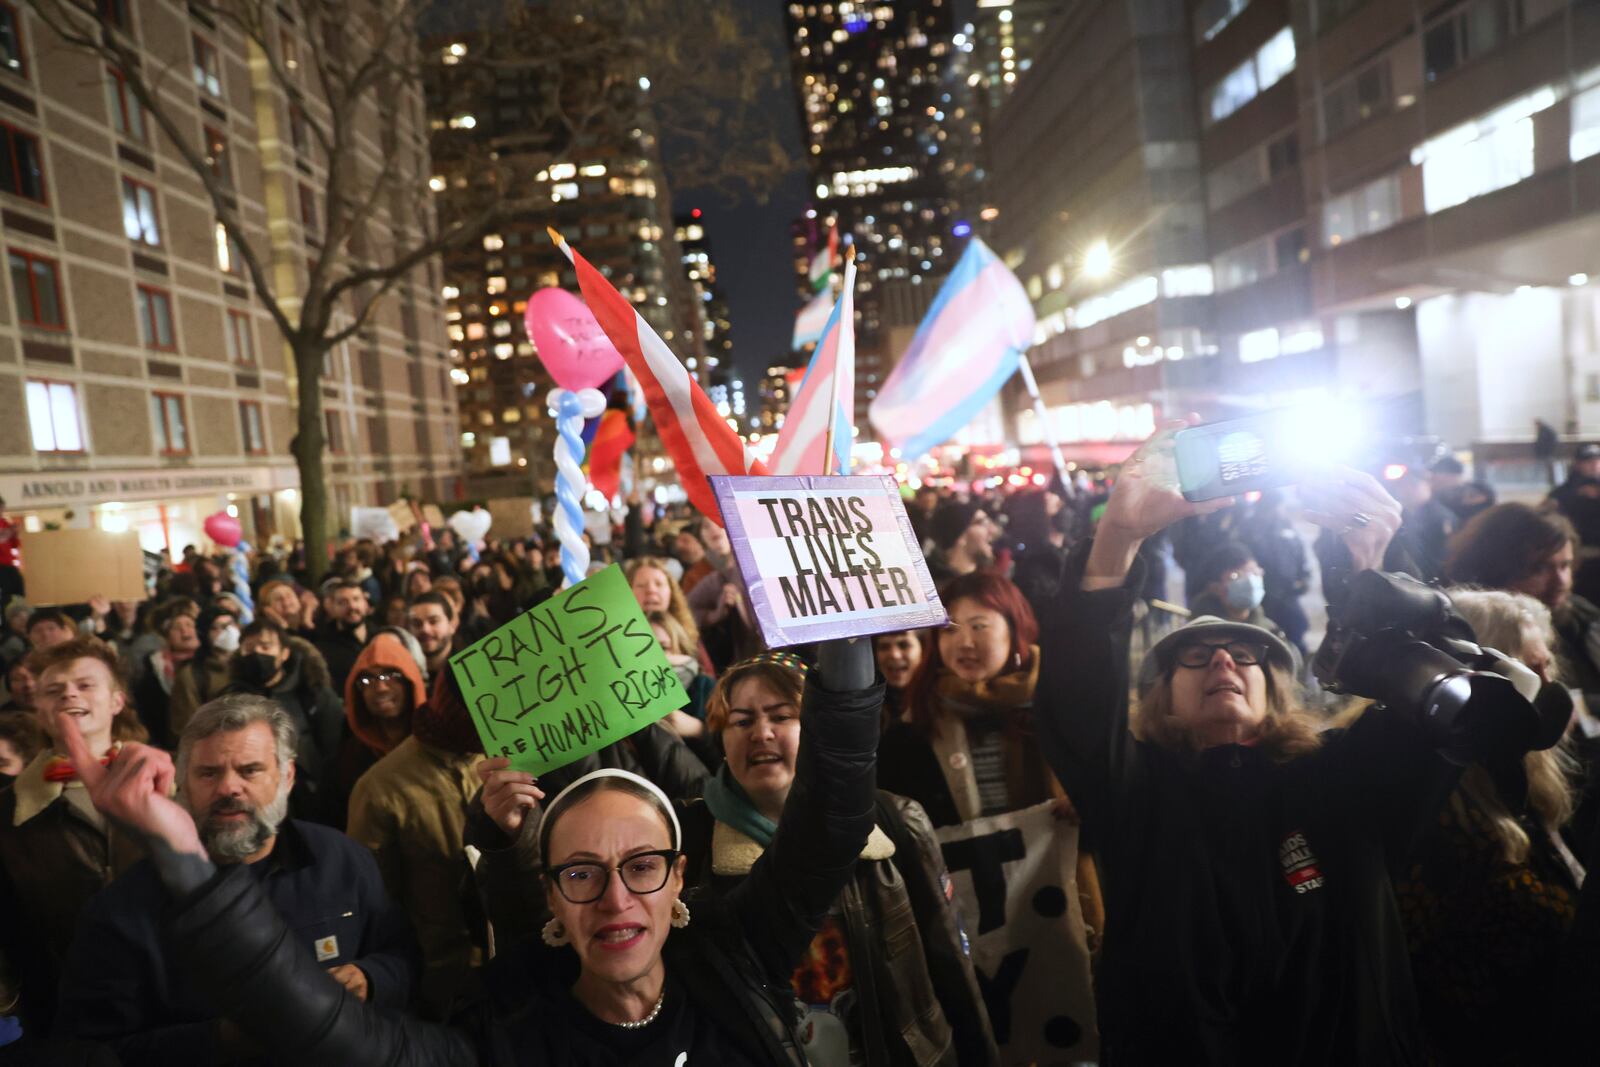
(1015, 877)
(827, 557)
(374, 523)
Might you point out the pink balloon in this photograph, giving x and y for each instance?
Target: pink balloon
(572, 346)
(223, 529)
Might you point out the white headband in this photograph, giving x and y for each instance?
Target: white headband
(615, 772)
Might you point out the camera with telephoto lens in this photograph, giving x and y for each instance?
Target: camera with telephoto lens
(1402, 644)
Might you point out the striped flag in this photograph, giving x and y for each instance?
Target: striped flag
(699, 441)
(813, 318)
(969, 343)
(831, 374)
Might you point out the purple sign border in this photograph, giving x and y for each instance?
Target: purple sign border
(780, 635)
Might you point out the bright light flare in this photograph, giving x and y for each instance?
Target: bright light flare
(1097, 259)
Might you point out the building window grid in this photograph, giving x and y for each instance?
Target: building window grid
(36, 286)
(53, 420)
(251, 427)
(127, 114)
(171, 425)
(240, 340)
(155, 317)
(207, 67)
(141, 219)
(13, 57)
(1270, 64)
(21, 164)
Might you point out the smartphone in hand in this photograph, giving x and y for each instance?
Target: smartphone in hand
(1240, 456)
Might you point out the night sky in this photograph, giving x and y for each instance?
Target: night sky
(750, 240)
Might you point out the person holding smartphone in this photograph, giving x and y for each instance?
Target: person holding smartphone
(1245, 857)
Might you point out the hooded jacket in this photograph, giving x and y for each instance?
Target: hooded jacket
(1250, 915)
(364, 742)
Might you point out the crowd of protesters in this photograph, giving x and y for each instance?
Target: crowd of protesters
(249, 819)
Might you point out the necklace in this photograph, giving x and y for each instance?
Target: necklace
(640, 1024)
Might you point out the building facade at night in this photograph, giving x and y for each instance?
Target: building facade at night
(142, 386)
(875, 101)
(714, 370)
(604, 191)
(1381, 207)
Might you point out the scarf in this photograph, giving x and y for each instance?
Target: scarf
(1004, 692)
(59, 769)
(730, 804)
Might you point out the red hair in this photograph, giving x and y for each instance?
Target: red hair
(990, 591)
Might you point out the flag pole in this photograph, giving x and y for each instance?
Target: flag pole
(1045, 428)
(833, 381)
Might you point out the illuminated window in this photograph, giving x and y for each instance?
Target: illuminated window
(53, 416)
(1491, 152)
(1271, 63)
(207, 67)
(217, 155)
(251, 428)
(140, 220)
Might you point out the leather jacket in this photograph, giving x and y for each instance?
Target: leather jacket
(731, 959)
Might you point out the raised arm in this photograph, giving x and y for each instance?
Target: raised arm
(1081, 702)
(828, 815)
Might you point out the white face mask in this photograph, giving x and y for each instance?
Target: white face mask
(227, 640)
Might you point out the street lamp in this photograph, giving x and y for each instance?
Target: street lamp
(1097, 260)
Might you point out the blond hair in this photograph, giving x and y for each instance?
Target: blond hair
(682, 645)
(1503, 621)
(677, 603)
(1287, 731)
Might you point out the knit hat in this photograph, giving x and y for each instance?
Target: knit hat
(950, 521)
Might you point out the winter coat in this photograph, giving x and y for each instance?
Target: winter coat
(54, 856)
(410, 809)
(726, 960)
(152, 699)
(363, 743)
(1250, 915)
(195, 683)
(122, 986)
(917, 996)
(339, 647)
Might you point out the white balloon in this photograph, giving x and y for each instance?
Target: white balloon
(470, 525)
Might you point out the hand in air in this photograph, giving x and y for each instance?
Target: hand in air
(134, 790)
(507, 794)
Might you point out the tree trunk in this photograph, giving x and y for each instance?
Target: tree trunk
(309, 442)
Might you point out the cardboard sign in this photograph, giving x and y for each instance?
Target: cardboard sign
(511, 516)
(70, 566)
(405, 520)
(1016, 886)
(577, 673)
(827, 557)
(432, 515)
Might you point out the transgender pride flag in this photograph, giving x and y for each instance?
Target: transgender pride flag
(831, 375)
(968, 345)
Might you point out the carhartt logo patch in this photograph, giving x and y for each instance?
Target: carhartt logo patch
(1300, 868)
(327, 949)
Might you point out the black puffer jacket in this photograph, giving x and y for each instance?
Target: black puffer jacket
(732, 959)
(1250, 916)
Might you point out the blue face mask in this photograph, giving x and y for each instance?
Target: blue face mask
(1245, 592)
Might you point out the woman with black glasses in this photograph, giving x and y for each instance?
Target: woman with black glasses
(625, 975)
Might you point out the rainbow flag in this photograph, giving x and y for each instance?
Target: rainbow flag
(969, 343)
(613, 437)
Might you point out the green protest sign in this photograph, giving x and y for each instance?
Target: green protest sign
(569, 677)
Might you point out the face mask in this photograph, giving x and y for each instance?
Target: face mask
(227, 640)
(256, 669)
(1245, 592)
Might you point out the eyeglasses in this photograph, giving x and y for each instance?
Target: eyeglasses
(585, 883)
(370, 678)
(1198, 655)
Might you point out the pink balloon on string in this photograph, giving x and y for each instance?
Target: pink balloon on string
(572, 346)
(223, 528)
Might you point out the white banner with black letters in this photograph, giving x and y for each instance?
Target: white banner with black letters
(1015, 878)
